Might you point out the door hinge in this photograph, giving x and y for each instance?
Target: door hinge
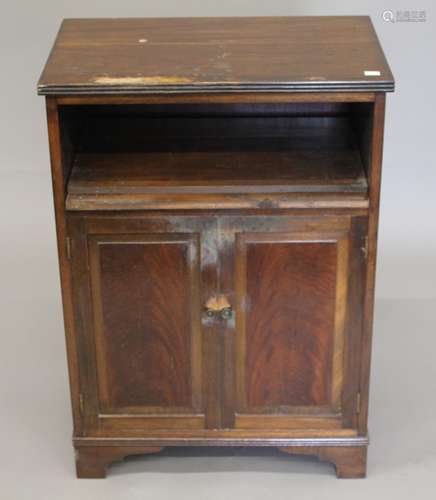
(364, 247)
(81, 405)
(358, 403)
(68, 247)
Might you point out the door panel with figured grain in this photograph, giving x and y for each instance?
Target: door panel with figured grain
(147, 281)
(142, 296)
(290, 294)
(287, 279)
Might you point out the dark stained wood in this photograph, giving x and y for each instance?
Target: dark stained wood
(217, 226)
(92, 462)
(219, 202)
(349, 461)
(217, 98)
(226, 437)
(290, 295)
(140, 326)
(197, 155)
(216, 128)
(58, 171)
(144, 319)
(374, 175)
(215, 55)
(351, 396)
(242, 172)
(287, 282)
(275, 156)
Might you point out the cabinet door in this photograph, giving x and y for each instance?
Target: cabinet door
(139, 286)
(295, 284)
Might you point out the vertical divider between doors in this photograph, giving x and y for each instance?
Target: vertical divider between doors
(227, 278)
(211, 335)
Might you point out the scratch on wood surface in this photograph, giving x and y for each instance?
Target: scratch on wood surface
(141, 80)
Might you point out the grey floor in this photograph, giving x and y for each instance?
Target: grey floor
(37, 459)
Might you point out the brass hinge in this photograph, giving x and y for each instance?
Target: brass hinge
(364, 248)
(358, 403)
(81, 406)
(68, 247)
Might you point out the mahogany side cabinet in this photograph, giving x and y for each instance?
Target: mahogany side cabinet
(216, 188)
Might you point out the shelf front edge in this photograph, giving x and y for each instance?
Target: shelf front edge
(165, 202)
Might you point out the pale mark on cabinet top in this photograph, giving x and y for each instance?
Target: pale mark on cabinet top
(141, 80)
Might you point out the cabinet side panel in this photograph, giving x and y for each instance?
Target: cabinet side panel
(375, 170)
(290, 294)
(58, 168)
(142, 307)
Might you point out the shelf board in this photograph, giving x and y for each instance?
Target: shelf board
(216, 172)
(99, 181)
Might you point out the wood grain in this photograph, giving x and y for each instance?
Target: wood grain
(142, 350)
(188, 176)
(357, 202)
(284, 421)
(290, 298)
(92, 462)
(134, 159)
(374, 173)
(349, 461)
(143, 322)
(215, 55)
(223, 98)
(263, 257)
(231, 437)
(59, 171)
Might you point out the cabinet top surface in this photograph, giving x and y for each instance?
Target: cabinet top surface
(182, 55)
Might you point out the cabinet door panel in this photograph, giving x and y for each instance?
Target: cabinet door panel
(145, 299)
(290, 293)
(287, 279)
(144, 350)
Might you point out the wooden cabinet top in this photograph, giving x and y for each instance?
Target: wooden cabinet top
(254, 54)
